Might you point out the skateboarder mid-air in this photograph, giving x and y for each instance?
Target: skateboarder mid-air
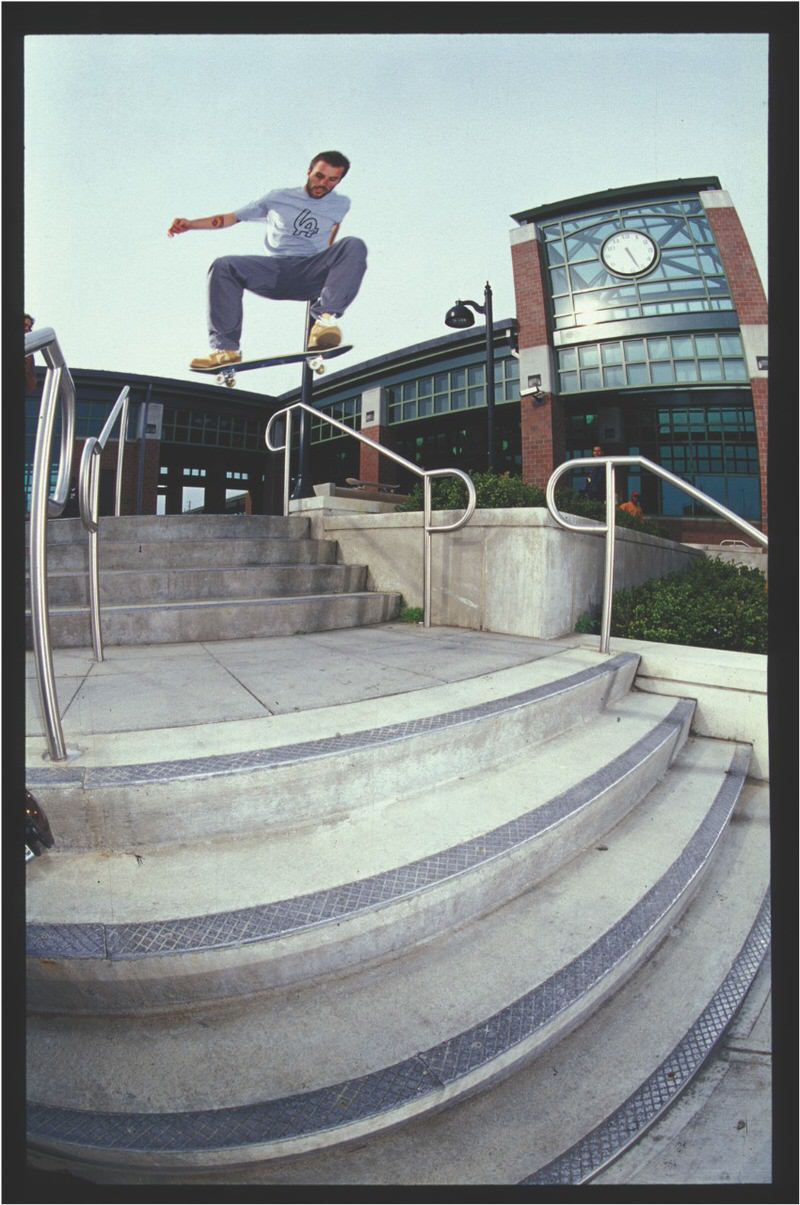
(301, 261)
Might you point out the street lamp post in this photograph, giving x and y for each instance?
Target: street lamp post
(459, 316)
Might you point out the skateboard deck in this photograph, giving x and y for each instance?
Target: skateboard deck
(315, 360)
(356, 484)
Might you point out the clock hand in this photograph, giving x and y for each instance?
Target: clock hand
(633, 259)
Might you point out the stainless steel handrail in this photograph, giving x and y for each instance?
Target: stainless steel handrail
(609, 528)
(88, 501)
(425, 474)
(58, 387)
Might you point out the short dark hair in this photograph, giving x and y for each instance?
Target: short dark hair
(335, 158)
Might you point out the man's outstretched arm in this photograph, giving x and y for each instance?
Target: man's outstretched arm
(218, 222)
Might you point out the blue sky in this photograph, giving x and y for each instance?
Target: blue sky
(448, 135)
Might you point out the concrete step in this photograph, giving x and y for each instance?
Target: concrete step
(195, 553)
(197, 921)
(218, 619)
(133, 791)
(152, 585)
(225, 1091)
(181, 527)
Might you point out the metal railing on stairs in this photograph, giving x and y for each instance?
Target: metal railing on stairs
(88, 500)
(426, 474)
(609, 527)
(59, 391)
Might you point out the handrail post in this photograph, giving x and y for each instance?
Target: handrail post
(40, 505)
(287, 455)
(426, 551)
(94, 560)
(123, 432)
(608, 574)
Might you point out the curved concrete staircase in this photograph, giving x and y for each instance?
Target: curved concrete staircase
(479, 932)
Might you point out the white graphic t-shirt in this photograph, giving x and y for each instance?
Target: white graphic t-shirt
(297, 224)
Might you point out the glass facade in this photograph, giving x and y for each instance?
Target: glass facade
(347, 411)
(709, 442)
(655, 360)
(457, 388)
(459, 441)
(181, 426)
(688, 276)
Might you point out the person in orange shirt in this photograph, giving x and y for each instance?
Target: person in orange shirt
(633, 507)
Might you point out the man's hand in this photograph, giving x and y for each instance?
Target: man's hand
(179, 226)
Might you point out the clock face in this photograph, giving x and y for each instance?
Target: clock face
(629, 253)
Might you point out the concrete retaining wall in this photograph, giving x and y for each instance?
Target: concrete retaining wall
(513, 571)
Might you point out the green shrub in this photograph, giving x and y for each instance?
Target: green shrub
(495, 491)
(411, 615)
(714, 604)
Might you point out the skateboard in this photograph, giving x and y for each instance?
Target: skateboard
(357, 484)
(226, 374)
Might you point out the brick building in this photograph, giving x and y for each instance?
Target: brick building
(643, 318)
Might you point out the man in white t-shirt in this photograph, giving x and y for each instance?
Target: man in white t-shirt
(301, 261)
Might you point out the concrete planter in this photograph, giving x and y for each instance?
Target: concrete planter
(512, 571)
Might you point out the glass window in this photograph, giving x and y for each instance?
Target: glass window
(710, 261)
(569, 382)
(734, 370)
(589, 356)
(710, 370)
(590, 378)
(637, 374)
(658, 349)
(730, 345)
(611, 353)
(686, 370)
(662, 373)
(613, 376)
(559, 281)
(555, 252)
(568, 358)
(706, 345)
(589, 276)
(634, 350)
(682, 345)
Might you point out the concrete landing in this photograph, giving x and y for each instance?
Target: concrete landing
(178, 686)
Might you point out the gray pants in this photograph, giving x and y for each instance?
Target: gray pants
(330, 280)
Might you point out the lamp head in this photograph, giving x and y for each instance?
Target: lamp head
(459, 316)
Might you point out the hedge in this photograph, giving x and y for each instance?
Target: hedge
(714, 604)
(501, 491)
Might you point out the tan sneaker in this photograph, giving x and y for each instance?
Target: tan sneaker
(324, 334)
(217, 359)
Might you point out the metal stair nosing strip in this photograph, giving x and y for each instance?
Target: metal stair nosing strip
(188, 935)
(416, 1085)
(642, 1109)
(302, 751)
